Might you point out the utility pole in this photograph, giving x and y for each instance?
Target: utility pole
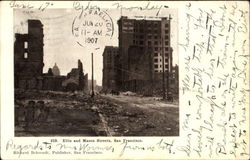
(169, 58)
(163, 67)
(92, 94)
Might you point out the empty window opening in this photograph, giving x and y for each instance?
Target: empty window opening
(25, 55)
(26, 45)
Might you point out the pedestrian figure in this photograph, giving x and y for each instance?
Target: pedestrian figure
(44, 112)
(16, 115)
(38, 111)
(29, 115)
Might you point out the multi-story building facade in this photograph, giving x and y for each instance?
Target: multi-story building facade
(110, 68)
(144, 52)
(28, 59)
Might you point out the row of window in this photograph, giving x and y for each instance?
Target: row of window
(160, 70)
(157, 37)
(139, 25)
(149, 31)
(156, 66)
(156, 54)
(157, 43)
(150, 37)
(150, 42)
(156, 60)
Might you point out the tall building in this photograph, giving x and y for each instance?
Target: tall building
(28, 56)
(144, 47)
(110, 68)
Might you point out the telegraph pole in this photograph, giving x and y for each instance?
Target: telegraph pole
(169, 58)
(92, 94)
(163, 68)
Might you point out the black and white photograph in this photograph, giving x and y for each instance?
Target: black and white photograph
(95, 72)
(124, 80)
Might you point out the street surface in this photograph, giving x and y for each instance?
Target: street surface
(77, 114)
(144, 116)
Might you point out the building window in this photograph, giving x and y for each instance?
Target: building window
(166, 49)
(156, 54)
(149, 37)
(167, 25)
(156, 42)
(156, 48)
(166, 42)
(149, 43)
(156, 60)
(166, 60)
(25, 56)
(156, 37)
(156, 66)
(156, 70)
(141, 43)
(26, 45)
(166, 31)
(166, 37)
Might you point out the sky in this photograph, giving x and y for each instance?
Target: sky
(61, 47)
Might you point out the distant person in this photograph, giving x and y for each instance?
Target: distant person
(38, 110)
(44, 112)
(19, 113)
(29, 115)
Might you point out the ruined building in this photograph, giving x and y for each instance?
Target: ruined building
(28, 58)
(28, 61)
(75, 79)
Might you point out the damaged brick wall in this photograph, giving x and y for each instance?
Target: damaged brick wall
(28, 64)
(28, 56)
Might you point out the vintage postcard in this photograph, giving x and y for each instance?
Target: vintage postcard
(125, 80)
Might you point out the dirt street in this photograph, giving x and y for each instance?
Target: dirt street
(143, 116)
(77, 114)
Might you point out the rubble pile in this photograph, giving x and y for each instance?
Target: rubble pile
(127, 120)
(68, 114)
(77, 114)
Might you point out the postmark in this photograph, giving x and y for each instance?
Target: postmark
(92, 27)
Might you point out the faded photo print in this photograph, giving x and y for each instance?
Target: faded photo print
(96, 72)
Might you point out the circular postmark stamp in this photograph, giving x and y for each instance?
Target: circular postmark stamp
(92, 27)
